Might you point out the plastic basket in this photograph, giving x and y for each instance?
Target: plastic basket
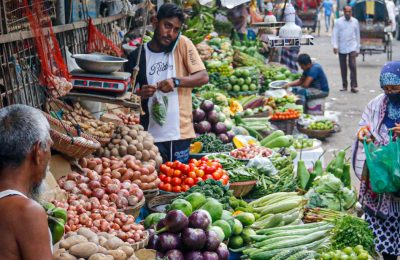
(160, 200)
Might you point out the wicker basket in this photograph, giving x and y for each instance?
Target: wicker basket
(241, 189)
(65, 144)
(318, 134)
(286, 126)
(160, 200)
(143, 243)
(55, 105)
(149, 194)
(134, 210)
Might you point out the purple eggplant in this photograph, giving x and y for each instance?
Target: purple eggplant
(168, 241)
(174, 255)
(194, 255)
(207, 106)
(213, 241)
(210, 256)
(200, 219)
(213, 117)
(223, 252)
(153, 240)
(198, 115)
(194, 238)
(175, 222)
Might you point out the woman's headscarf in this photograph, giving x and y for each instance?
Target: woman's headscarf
(390, 74)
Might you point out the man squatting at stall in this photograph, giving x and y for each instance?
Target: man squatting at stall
(24, 158)
(171, 66)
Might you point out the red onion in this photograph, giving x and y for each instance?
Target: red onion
(98, 193)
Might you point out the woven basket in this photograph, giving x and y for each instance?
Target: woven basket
(56, 105)
(287, 126)
(141, 244)
(72, 147)
(149, 194)
(318, 134)
(241, 189)
(134, 210)
(160, 200)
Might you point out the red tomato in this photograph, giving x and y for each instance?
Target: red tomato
(192, 166)
(177, 165)
(194, 161)
(224, 181)
(162, 176)
(217, 175)
(192, 175)
(204, 159)
(167, 187)
(176, 181)
(161, 186)
(169, 164)
(207, 176)
(199, 173)
(185, 188)
(170, 172)
(164, 168)
(183, 176)
(176, 189)
(185, 168)
(177, 173)
(189, 182)
(198, 179)
(167, 179)
(209, 169)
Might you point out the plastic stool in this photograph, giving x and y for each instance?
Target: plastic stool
(316, 106)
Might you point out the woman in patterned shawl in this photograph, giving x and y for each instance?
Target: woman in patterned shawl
(382, 211)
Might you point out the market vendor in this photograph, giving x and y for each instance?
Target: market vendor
(24, 157)
(312, 84)
(170, 66)
(382, 211)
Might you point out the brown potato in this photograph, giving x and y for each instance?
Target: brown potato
(122, 151)
(99, 256)
(145, 155)
(72, 240)
(114, 152)
(124, 143)
(65, 256)
(127, 249)
(113, 243)
(128, 138)
(117, 254)
(138, 155)
(132, 150)
(152, 154)
(115, 141)
(84, 250)
(139, 147)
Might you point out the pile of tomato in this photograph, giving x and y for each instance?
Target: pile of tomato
(179, 177)
(287, 114)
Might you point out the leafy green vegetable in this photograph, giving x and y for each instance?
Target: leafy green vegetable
(159, 109)
(350, 231)
(211, 189)
(212, 144)
(327, 183)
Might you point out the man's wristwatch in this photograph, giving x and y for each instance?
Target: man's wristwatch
(177, 82)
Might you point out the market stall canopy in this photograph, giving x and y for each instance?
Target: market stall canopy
(232, 3)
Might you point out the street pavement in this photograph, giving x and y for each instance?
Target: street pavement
(347, 105)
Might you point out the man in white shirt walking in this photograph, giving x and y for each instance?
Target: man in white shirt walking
(346, 42)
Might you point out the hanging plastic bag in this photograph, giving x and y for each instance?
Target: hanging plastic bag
(98, 42)
(54, 72)
(159, 108)
(263, 165)
(383, 165)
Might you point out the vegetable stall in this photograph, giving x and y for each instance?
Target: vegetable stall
(255, 187)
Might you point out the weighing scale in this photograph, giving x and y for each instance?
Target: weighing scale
(115, 83)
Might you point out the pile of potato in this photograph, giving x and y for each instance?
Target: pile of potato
(132, 140)
(87, 122)
(129, 119)
(85, 244)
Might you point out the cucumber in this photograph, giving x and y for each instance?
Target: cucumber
(276, 134)
(274, 221)
(287, 253)
(281, 207)
(264, 200)
(297, 227)
(291, 217)
(304, 254)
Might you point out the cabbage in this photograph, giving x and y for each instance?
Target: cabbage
(326, 200)
(263, 165)
(327, 184)
(348, 197)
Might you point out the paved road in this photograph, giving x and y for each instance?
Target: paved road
(349, 106)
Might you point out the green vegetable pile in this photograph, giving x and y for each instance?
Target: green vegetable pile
(211, 189)
(352, 231)
(200, 24)
(283, 181)
(236, 169)
(212, 144)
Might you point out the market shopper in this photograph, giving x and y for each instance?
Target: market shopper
(312, 84)
(238, 17)
(328, 7)
(170, 65)
(24, 156)
(382, 211)
(346, 43)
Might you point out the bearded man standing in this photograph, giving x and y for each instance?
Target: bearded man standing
(24, 157)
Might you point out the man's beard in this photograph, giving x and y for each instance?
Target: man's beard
(37, 189)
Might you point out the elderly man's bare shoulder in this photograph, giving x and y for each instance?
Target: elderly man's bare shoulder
(20, 209)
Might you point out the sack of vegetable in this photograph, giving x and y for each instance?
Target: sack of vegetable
(159, 108)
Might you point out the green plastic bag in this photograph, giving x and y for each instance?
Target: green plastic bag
(384, 166)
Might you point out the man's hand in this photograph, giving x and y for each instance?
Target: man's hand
(147, 91)
(286, 86)
(335, 51)
(166, 85)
